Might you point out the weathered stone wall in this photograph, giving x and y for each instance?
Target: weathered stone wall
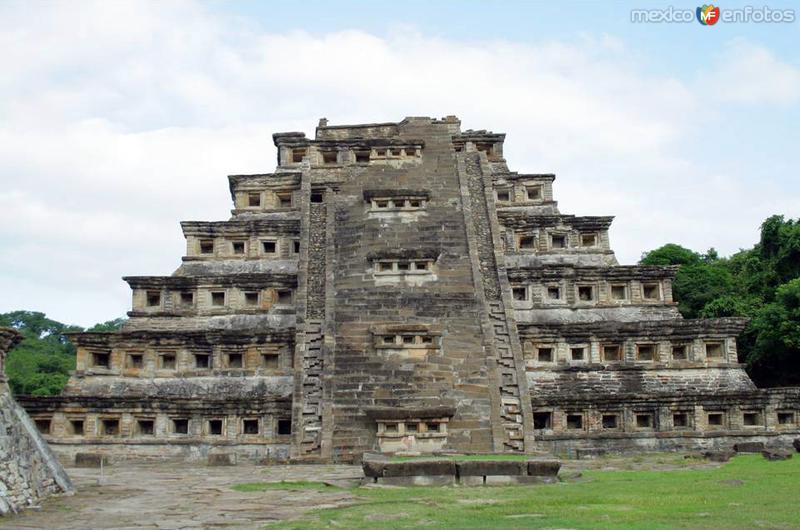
(438, 303)
(313, 338)
(667, 420)
(395, 286)
(251, 421)
(143, 393)
(29, 472)
(557, 383)
(511, 414)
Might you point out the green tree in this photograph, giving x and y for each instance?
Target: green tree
(670, 254)
(700, 284)
(730, 305)
(110, 325)
(779, 253)
(40, 364)
(758, 283)
(775, 356)
(701, 279)
(35, 325)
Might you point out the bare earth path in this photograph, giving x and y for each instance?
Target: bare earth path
(179, 496)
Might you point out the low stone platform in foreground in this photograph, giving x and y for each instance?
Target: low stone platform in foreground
(444, 472)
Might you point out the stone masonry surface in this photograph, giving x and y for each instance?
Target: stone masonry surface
(396, 288)
(29, 472)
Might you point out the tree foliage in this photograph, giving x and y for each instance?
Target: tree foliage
(761, 284)
(775, 355)
(110, 325)
(702, 279)
(40, 364)
(670, 254)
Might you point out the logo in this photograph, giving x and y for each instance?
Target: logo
(708, 15)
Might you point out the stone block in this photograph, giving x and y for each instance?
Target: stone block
(222, 459)
(748, 447)
(373, 468)
(90, 460)
(471, 480)
(504, 480)
(490, 467)
(776, 454)
(543, 468)
(418, 480)
(589, 453)
(718, 456)
(419, 468)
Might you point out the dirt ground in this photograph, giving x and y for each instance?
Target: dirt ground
(176, 496)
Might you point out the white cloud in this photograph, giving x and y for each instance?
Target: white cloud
(748, 73)
(117, 120)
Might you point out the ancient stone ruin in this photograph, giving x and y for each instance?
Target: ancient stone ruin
(394, 287)
(447, 472)
(28, 470)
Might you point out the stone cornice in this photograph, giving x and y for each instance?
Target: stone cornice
(612, 273)
(196, 337)
(243, 280)
(382, 193)
(524, 219)
(241, 228)
(677, 329)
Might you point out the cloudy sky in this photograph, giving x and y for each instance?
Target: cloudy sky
(118, 120)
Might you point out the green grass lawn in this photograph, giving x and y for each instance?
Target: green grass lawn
(748, 492)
